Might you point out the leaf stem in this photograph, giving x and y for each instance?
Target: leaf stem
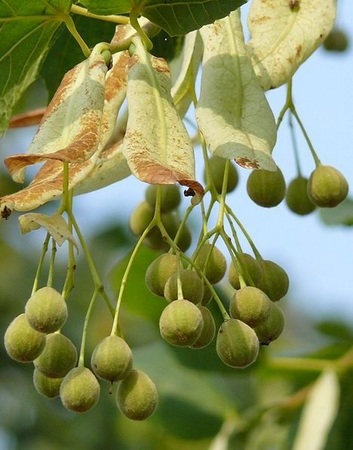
(70, 25)
(294, 143)
(52, 264)
(81, 360)
(115, 326)
(145, 39)
(94, 273)
(40, 263)
(122, 20)
(302, 364)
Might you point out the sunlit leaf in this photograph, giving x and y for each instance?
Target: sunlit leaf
(233, 113)
(26, 34)
(284, 36)
(54, 224)
(156, 144)
(70, 128)
(319, 413)
(175, 16)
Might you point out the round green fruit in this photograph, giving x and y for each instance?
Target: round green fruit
(112, 359)
(46, 310)
(336, 41)
(250, 305)
(49, 387)
(274, 280)
(58, 357)
(170, 196)
(207, 295)
(237, 344)
(22, 342)
(191, 283)
(212, 262)
(159, 271)
(79, 390)
(137, 396)
(208, 330)
(140, 218)
(217, 167)
(271, 328)
(327, 187)
(266, 188)
(171, 222)
(297, 197)
(250, 270)
(181, 323)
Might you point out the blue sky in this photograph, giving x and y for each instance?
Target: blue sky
(318, 258)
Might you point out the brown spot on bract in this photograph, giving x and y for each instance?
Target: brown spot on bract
(247, 163)
(117, 77)
(298, 51)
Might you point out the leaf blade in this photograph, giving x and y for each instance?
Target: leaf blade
(319, 413)
(176, 17)
(282, 38)
(26, 34)
(156, 145)
(237, 123)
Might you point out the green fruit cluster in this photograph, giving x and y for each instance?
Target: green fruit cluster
(326, 188)
(185, 321)
(264, 274)
(255, 320)
(57, 359)
(112, 361)
(143, 214)
(253, 307)
(45, 313)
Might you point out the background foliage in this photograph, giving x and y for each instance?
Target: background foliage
(203, 404)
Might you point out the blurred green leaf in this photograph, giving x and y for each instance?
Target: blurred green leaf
(340, 215)
(137, 298)
(335, 329)
(319, 413)
(186, 395)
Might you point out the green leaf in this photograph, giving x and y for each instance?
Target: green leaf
(180, 17)
(26, 33)
(176, 17)
(108, 6)
(319, 413)
(183, 384)
(342, 214)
